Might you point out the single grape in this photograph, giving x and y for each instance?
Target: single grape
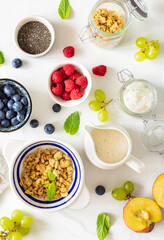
(140, 56)
(26, 222)
(154, 44)
(141, 42)
(24, 231)
(152, 52)
(103, 116)
(119, 194)
(100, 95)
(6, 223)
(17, 215)
(95, 105)
(128, 187)
(14, 236)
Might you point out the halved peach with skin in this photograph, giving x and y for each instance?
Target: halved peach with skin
(158, 190)
(141, 213)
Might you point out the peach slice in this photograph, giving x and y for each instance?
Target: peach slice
(158, 190)
(141, 213)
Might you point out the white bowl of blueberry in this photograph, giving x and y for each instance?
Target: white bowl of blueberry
(15, 105)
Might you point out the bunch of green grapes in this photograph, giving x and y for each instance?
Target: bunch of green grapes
(16, 227)
(123, 193)
(148, 50)
(100, 105)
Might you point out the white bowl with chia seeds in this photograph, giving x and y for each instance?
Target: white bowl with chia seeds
(34, 36)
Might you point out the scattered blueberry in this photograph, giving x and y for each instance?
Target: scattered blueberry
(100, 190)
(17, 106)
(20, 117)
(16, 97)
(14, 121)
(9, 90)
(49, 128)
(1, 104)
(2, 114)
(2, 95)
(56, 107)
(5, 123)
(5, 100)
(24, 101)
(34, 123)
(16, 63)
(10, 114)
(10, 104)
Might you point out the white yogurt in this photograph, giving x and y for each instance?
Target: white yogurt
(138, 98)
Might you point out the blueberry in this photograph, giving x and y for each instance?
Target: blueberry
(5, 100)
(16, 63)
(2, 114)
(10, 104)
(1, 104)
(49, 128)
(22, 112)
(5, 123)
(10, 114)
(20, 117)
(2, 95)
(56, 107)
(34, 123)
(5, 109)
(14, 121)
(24, 101)
(9, 90)
(17, 106)
(100, 190)
(16, 97)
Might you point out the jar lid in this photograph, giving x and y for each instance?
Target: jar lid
(138, 9)
(153, 136)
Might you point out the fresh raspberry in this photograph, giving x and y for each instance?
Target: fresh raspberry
(99, 70)
(69, 85)
(75, 75)
(76, 94)
(69, 51)
(82, 81)
(64, 75)
(58, 90)
(69, 69)
(56, 77)
(66, 96)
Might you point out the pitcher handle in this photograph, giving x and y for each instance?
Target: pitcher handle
(83, 34)
(136, 164)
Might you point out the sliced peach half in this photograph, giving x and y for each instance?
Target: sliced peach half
(141, 214)
(158, 190)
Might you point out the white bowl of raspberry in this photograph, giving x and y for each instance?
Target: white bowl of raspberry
(69, 84)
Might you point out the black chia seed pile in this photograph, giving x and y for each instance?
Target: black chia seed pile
(34, 37)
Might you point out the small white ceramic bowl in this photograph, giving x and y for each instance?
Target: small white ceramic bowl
(39, 19)
(71, 103)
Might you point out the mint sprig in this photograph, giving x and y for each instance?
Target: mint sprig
(64, 9)
(2, 59)
(51, 187)
(103, 225)
(72, 123)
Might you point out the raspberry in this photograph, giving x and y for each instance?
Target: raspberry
(75, 75)
(99, 70)
(82, 81)
(66, 96)
(56, 77)
(69, 51)
(69, 85)
(69, 69)
(76, 94)
(64, 76)
(58, 90)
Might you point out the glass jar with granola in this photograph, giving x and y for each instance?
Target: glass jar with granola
(109, 20)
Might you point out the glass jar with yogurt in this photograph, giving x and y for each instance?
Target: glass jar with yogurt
(109, 21)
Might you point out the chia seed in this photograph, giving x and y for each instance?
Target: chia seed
(34, 37)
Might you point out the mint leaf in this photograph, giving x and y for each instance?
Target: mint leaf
(72, 123)
(103, 225)
(51, 176)
(47, 185)
(64, 9)
(51, 191)
(2, 60)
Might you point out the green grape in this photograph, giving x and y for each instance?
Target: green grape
(154, 44)
(6, 223)
(103, 116)
(14, 236)
(141, 42)
(119, 194)
(95, 105)
(17, 215)
(152, 52)
(100, 95)
(26, 222)
(140, 56)
(24, 231)
(128, 187)
(0, 233)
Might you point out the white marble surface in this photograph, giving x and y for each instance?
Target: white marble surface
(81, 224)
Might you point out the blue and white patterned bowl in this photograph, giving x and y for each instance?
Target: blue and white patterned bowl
(24, 93)
(17, 168)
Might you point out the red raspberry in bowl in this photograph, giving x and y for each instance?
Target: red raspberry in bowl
(82, 81)
(66, 96)
(64, 75)
(76, 94)
(58, 90)
(56, 77)
(99, 70)
(69, 85)
(75, 75)
(69, 69)
(69, 51)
